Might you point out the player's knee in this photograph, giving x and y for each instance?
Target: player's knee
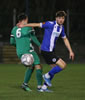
(61, 63)
(38, 66)
(64, 65)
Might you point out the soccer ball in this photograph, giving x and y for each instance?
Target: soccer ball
(27, 59)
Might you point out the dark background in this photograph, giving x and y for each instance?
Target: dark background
(43, 10)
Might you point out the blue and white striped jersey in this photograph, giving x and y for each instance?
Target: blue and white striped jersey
(51, 34)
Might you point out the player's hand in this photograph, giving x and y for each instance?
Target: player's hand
(71, 56)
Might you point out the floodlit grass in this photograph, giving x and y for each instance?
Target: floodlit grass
(67, 85)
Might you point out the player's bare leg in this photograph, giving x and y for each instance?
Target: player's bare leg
(61, 63)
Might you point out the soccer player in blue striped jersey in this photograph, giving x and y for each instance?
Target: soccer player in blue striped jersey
(53, 29)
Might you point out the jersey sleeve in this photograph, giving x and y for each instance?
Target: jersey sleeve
(26, 31)
(12, 39)
(63, 35)
(45, 24)
(34, 39)
(31, 30)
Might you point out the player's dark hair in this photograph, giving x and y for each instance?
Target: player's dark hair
(22, 16)
(61, 14)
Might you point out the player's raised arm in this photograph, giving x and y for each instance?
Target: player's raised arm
(29, 25)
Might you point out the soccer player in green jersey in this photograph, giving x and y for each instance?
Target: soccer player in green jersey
(21, 38)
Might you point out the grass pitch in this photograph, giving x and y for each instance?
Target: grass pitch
(67, 85)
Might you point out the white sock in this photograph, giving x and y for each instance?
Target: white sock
(25, 84)
(47, 75)
(39, 86)
(44, 87)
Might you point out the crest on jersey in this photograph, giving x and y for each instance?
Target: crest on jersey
(54, 59)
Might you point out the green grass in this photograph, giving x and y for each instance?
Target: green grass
(67, 85)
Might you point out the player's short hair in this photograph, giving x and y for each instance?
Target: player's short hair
(22, 16)
(61, 14)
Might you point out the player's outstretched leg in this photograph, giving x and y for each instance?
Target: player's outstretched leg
(45, 86)
(48, 76)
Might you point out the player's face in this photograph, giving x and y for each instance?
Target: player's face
(60, 20)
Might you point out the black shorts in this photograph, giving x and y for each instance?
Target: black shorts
(49, 57)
